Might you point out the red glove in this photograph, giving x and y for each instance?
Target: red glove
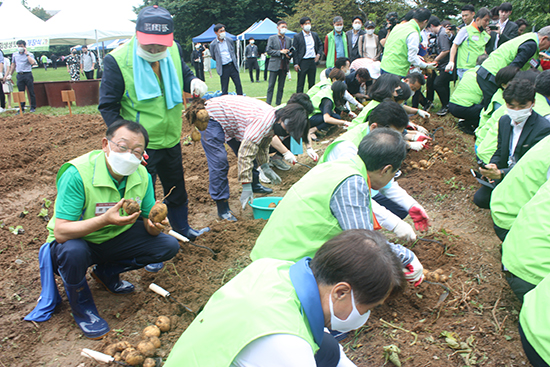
(421, 137)
(144, 158)
(420, 218)
(415, 274)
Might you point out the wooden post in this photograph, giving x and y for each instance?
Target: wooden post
(68, 96)
(19, 97)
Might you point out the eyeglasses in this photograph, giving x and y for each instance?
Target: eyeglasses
(124, 148)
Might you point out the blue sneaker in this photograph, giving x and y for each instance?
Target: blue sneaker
(154, 268)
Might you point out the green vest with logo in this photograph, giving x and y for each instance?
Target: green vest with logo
(259, 301)
(303, 221)
(396, 58)
(534, 319)
(468, 92)
(354, 136)
(318, 98)
(507, 52)
(471, 48)
(486, 114)
(317, 87)
(526, 249)
(100, 188)
(331, 48)
(162, 125)
(520, 184)
(363, 115)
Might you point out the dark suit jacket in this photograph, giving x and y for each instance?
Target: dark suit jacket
(217, 56)
(273, 49)
(536, 128)
(300, 45)
(509, 32)
(353, 52)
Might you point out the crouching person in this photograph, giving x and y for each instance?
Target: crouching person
(274, 312)
(90, 227)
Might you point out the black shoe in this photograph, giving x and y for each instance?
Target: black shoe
(33, 110)
(224, 212)
(108, 276)
(443, 111)
(466, 128)
(428, 105)
(258, 188)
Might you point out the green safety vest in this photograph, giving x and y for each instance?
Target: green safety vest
(318, 98)
(303, 221)
(354, 136)
(486, 114)
(363, 115)
(317, 87)
(162, 125)
(534, 319)
(541, 105)
(99, 188)
(471, 48)
(396, 58)
(259, 301)
(520, 184)
(331, 48)
(468, 92)
(507, 52)
(526, 249)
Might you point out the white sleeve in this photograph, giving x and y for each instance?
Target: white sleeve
(323, 75)
(461, 36)
(277, 350)
(399, 196)
(385, 218)
(344, 149)
(413, 42)
(344, 360)
(350, 98)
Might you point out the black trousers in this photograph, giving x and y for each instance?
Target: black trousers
(273, 75)
(229, 71)
(265, 68)
(442, 87)
(309, 69)
(26, 80)
(328, 354)
(470, 114)
(418, 99)
(488, 88)
(2, 97)
(89, 74)
(199, 70)
(482, 197)
(500, 232)
(532, 355)
(252, 64)
(519, 286)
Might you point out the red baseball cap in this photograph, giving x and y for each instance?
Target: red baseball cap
(155, 26)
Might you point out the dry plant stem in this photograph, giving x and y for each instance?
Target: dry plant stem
(169, 192)
(415, 335)
(498, 326)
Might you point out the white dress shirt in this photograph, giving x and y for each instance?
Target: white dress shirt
(310, 45)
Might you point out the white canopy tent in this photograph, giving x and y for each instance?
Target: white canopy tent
(12, 16)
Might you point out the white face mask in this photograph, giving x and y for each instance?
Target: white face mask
(370, 32)
(338, 28)
(123, 164)
(252, 42)
(348, 72)
(282, 30)
(222, 35)
(20, 49)
(198, 46)
(149, 57)
(307, 27)
(520, 116)
(354, 321)
(356, 26)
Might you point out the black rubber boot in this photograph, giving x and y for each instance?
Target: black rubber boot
(108, 275)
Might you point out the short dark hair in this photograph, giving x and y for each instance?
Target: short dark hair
(341, 61)
(530, 75)
(357, 17)
(84, 46)
(389, 113)
(364, 260)
(281, 22)
(251, 38)
(468, 7)
(303, 20)
(295, 117)
(542, 84)
(302, 99)
(422, 14)
(521, 22)
(434, 21)
(519, 90)
(337, 19)
(481, 58)
(505, 74)
(482, 13)
(416, 77)
(505, 7)
(21, 42)
(218, 26)
(337, 74)
(494, 11)
(384, 87)
(405, 92)
(130, 125)
(407, 17)
(382, 147)
(339, 88)
(363, 73)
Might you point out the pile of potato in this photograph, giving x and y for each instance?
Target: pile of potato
(146, 348)
(438, 153)
(435, 276)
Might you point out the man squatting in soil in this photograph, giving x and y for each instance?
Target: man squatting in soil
(143, 82)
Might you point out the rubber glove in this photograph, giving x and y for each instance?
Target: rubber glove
(423, 114)
(420, 137)
(404, 230)
(290, 158)
(312, 154)
(198, 87)
(420, 218)
(417, 145)
(359, 106)
(247, 194)
(432, 66)
(269, 173)
(414, 272)
(450, 66)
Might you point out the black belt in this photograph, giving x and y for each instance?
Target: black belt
(24, 72)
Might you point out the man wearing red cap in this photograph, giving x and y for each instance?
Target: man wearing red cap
(143, 82)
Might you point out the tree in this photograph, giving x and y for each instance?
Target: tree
(536, 12)
(41, 13)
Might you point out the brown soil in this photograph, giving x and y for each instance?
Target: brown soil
(479, 304)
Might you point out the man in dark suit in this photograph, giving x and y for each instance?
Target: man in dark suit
(223, 52)
(196, 57)
(308, 52)
(518, 131)
(277, 48)
(353, 38)
(508, 29)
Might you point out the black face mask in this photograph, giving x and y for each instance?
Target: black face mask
(279, 130)
(399, 94)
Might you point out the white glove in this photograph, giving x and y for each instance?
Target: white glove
(414, 272)
(198, 87)
(432, 66)
(424, 115)
(247, 194)
(1, 75)
(314, 156)
(450, 66)
(269, 173)
(419, 128)
(290, 158)
(404, 230)
(417, 145)
(352, 114)
(359, 106)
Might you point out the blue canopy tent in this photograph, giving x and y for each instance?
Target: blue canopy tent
(209, 36)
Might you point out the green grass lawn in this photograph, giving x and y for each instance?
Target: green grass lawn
(257, 90)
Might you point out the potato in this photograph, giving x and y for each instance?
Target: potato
(415, 166)
(443, 278)
(151, 330)
(155, 341)
(437, 148)
(110, 349)
(438, 271)
(425, 272)
(423, 163)
(272, 205)
(435, 277)
(201, 125)
(134, 358)
(146, 348)
(445, 150)
(149, 362)
(118, 357)
(202, 115)
(163, 323)
(130, 206)
(127, 351)
(195, 135)
(158, 213)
